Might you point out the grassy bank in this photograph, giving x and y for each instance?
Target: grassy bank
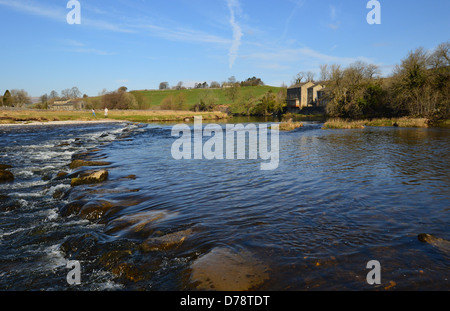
(26, 116)
(343, 124)
(153, 98)
(398, 122)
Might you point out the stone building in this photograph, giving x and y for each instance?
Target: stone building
(71, 104)
(304, 95)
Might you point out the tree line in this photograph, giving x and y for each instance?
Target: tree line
(418, 87)
(253, 81)
(15, 98)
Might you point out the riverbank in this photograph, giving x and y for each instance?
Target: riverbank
(49, 117)
(384, 122)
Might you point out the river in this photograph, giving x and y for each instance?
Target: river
(337, 200)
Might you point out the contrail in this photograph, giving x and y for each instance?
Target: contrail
(237, 32)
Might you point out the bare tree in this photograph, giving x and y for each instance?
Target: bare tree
(164, 86)
(53, 95)
(214, 85)
(75, 93)
(20, 98)
(179, 85)
(299, 78)
(324, 73)
(310, 76)
(119, 99)
(441, 56)
(65, 94)
(103, 92)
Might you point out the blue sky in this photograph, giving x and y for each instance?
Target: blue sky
(140, 43)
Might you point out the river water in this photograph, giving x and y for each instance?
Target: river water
(338, 199)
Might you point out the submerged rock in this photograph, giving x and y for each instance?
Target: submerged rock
(81, 247)
(439, 243)
(73, 208)
(9, 205)
(140, 223)
(223, 269)
(61, 174)
(93, 178)
(95, 210)
(112, 259)
(6, 176)
(128, 271)
(79, 163)
(5, 166)
(166, 242)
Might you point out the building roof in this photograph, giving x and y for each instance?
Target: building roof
(296, 86)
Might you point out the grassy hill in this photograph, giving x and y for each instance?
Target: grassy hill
(152, 98)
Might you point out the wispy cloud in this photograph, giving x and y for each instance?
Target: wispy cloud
(79, 47)
(333, 16)
(30, 7)
(298, 4)
(180, 34)
(335, 26)
(237, 32)
(303, 55)
(59, 14)
(333, 12)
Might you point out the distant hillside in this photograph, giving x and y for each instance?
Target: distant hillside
(153, 98)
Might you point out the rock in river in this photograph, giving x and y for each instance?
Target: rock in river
(223, 269)
(94, 210)
(166, 242)
(439, 243)
(93, 178)
(79, 163)
(6, 176)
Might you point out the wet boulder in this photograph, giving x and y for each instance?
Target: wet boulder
(140, 223)
(112, 259)
(61, 175)
(5, 166)
(95, 210)
(128, 271)
(224, 269)
(166, 242)
(438, 243)
(93, 178)
(116, 262)
(6, 176)
(81, 247)
(7, 204)
(79, 163)
(72, 208)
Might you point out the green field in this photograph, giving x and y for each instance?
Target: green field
(153, 98)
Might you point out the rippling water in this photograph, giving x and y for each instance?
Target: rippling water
(338, 199)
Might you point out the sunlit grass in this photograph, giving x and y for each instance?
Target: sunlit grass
(343, 124)
(14, 116)
(290, 126)
(382, 122)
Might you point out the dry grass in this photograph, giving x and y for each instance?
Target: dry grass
(399, 122)
(14, 116)
(343, 124)
(290, 126)
(162, 115)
